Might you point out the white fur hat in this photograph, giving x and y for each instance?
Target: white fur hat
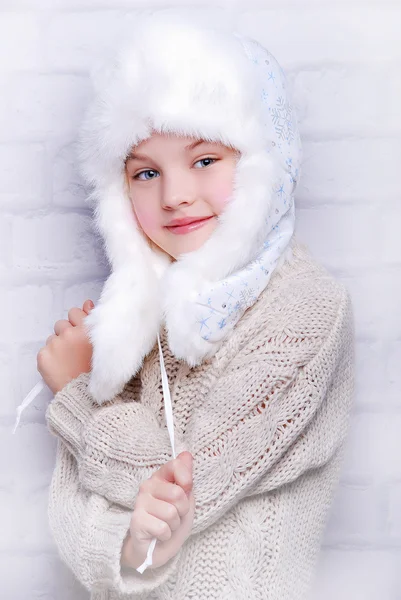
(172, 75)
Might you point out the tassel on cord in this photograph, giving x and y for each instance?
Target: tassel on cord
(170, 426)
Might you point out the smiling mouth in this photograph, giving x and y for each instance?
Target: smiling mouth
(180, 229)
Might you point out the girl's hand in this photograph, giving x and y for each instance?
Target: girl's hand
(68, 352)
(164, 509)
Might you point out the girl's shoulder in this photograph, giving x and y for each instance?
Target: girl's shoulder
(300, 307)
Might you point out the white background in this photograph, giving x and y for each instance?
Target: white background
(343, 60)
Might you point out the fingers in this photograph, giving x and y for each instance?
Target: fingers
(168, 493)
(60, 326)
(165, 502)
(176, 471)
(187, 458)
(143, 525)
(76, 315)
(163, 510)
(88, 305)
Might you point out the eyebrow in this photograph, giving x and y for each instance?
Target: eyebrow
(136, 156)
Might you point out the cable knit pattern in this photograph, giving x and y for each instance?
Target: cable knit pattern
(266, 420)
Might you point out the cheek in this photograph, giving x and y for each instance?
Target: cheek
(221, 195)
(146, 218)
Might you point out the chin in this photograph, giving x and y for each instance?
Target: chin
(192, 241)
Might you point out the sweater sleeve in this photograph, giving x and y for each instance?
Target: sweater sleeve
(89, 532)
(260, 427)
(117, 446)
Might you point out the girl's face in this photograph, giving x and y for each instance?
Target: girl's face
(172, 177)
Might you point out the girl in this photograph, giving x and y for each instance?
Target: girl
(191, 123)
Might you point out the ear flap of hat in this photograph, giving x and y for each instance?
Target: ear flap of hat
(123, 326)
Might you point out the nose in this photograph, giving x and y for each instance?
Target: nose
(177, 190)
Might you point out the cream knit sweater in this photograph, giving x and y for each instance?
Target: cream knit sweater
(266, 420)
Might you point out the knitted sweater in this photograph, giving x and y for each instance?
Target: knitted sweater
(266, 421)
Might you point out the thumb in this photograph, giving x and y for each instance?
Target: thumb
(187, 458)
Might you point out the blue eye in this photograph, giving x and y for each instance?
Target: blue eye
(141, 173)
(154, 171)
(208, 158)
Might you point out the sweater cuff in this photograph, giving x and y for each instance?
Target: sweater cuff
(69, 411)
(104, 557)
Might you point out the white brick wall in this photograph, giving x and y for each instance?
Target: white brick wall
(343, 60)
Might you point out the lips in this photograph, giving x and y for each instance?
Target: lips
(185, 221)
(191, 225)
